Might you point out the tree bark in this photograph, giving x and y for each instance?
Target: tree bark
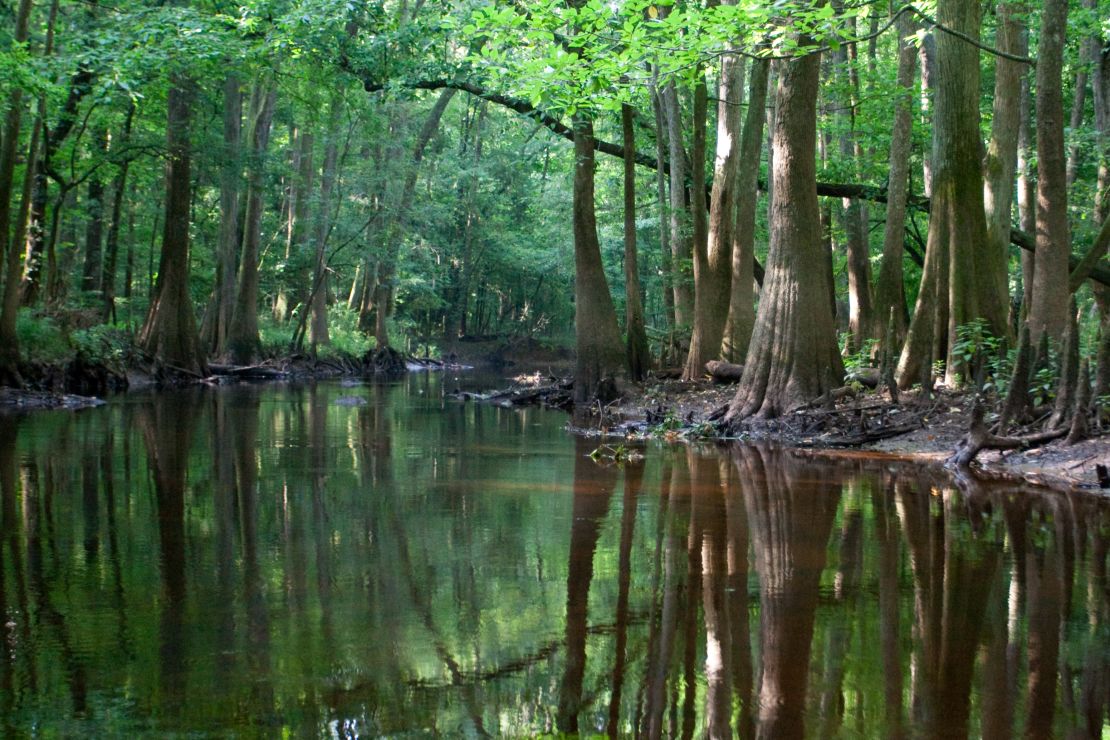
(680, 237)
(741, 304)
(639, 358)
(1048, 314)
(9, 142)
(599, 361)
(1000, 164)
(793, 358)
(954, 281)
(227, 247)
(93, 268)
(111, 244)
(243, 342)
(318, 328)
(890, 290)
(169, 333)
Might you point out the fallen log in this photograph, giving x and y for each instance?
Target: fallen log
(257, 372)
(724, 372)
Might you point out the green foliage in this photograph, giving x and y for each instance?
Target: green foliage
(102, 344)
(42, 340)
(981, 354)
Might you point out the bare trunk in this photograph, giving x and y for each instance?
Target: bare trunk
(169, 334)
(318, 329)
(952, 283)
(890, 291)
(741, 305)
(228, 245)
(111, 244)
(243, 341)
(1026, 184)
(94, 227)
(713, 252)
(681, 237)
(794, 358)
(639, 359)
(1049, 312)
(9, 142)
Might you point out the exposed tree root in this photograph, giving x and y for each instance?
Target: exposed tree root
(979, 438)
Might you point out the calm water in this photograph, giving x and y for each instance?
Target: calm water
(268, 561)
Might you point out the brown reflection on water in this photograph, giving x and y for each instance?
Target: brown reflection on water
(265, 561)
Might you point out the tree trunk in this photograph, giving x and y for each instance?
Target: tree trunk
(890, 290)
(296, 231)
(228, 245)
(713, 262)
(169, 334)
(1000, 164)
(1089, 49)
(318, 328)
(638, 356)
(599, 361)
(927, 56)
(953, 280)
(243, 342)
(94, 227)
(111, 245)
(1049, 312)
(793, 358)
(681, 238)
(1026, 183)
(9, 142)
(741, 305)
(665, 260)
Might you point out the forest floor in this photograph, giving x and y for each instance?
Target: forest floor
(915, 428)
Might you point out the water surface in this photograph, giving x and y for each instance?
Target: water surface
(336, 560)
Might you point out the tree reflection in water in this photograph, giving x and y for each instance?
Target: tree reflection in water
(267, 560)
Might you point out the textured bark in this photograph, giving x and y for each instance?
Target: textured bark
(9, 142)
(243, 342)
(664, 232)
(713, 241)
(227, 247)
(1026, 184)
(1000, 164)
(318, 328)
(169, 333)
(927, 57)
(681, 238)
(741, 305)
(793, 358)
(636, 343)
(890, 291)
(954, 280)
(1048, 314)
(296, 225)
(599, 361)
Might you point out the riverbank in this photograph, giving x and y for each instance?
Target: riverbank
(913, 429)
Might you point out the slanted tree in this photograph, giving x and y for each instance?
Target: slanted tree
(793, 358)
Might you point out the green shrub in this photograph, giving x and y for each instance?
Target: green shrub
(41, 340)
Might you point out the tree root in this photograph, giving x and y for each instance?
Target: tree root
(979, 438)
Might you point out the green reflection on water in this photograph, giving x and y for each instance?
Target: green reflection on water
(375, 559)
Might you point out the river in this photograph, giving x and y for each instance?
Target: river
(375, 559)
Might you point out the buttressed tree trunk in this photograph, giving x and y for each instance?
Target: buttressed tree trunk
(793, 357)
(713, 264)
(955, 283)
(639, 357)
(170, 331)
(890, 292)
(741, 305)
(1049, 312)
(243, 341)
(599, 361)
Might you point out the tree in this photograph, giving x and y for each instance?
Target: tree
(793, 358)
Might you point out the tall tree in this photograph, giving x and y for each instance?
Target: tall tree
(793, 358)
(242, 341)
(957, 283)
(1049, 312)
(639, 356)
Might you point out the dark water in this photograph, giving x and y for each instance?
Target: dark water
(270, 561)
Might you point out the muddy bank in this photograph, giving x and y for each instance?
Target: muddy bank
(926, 430)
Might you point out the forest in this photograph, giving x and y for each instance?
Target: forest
(793, 188)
